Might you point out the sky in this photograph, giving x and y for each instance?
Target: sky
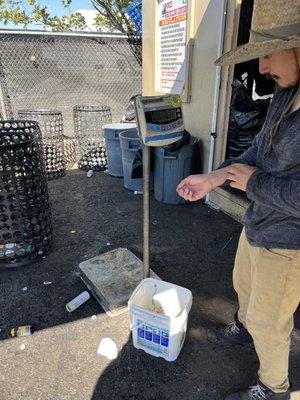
(56, 8)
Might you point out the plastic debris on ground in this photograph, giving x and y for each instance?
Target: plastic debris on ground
(108, 349)
(22, 346)
(25, 330)
(78, 301)
(90, 173)
(227, 243)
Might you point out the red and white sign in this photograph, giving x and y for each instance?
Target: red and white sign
(171, 28)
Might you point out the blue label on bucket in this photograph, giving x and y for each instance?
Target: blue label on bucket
(153, 338)
(141, 333)
(165, 339)
(148, 333)
(156, 336)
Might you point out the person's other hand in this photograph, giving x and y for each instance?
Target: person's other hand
(195, 187)
(239, 175)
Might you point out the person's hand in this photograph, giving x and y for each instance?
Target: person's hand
(239, 175)
(195, 187)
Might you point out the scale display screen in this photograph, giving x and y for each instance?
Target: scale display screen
(162, 116)
(159, 119)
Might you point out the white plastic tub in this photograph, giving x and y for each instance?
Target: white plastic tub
(159, 313)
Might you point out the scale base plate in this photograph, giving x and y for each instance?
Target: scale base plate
(112, 277)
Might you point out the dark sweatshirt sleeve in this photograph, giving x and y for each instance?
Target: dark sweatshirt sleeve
(277, 193)
(248, 157)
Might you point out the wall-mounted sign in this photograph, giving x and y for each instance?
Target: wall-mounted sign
(171, 41)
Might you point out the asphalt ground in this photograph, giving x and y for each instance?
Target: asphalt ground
(59, 361)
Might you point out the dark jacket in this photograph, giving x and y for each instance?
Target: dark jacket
(272, 219)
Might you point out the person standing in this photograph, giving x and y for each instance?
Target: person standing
(266, 274)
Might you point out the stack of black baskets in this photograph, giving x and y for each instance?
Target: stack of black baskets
(25, 219)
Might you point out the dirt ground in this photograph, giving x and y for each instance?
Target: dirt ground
(60, 360)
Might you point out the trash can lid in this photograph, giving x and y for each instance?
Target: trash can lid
(119, 126)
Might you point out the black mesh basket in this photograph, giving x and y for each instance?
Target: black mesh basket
(51, 125)
(25, 219)
(88, 122)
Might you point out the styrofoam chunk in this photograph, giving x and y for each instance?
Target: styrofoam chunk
(108, 349)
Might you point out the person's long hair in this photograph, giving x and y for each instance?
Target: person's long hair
(274, 128)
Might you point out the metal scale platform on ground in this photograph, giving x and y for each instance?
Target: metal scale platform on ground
(113, 276)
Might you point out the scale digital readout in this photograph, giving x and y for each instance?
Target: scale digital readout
(159, 119)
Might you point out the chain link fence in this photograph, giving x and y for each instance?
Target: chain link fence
(46, 70)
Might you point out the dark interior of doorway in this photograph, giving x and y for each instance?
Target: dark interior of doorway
(251, 95)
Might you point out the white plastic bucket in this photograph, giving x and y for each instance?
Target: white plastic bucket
(159, 313)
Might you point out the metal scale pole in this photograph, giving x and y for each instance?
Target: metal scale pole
(167, 105)
(146, 210)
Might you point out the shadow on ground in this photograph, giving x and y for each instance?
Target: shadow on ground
(186, 243)
(60, 360)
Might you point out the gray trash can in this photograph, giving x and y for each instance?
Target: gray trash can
(169, 169)
(130, 143)
(113, 149)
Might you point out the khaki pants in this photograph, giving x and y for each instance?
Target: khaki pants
(267, 282)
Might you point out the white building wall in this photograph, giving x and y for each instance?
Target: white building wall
(203, 27)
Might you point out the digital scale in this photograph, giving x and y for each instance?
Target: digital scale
(113, 276)
(160, 123)
(159, 119)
